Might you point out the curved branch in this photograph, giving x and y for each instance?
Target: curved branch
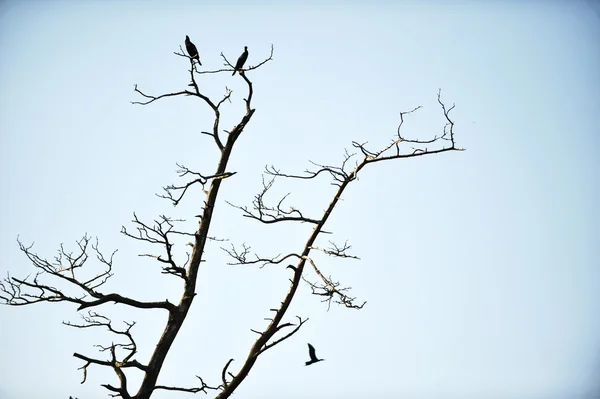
(224, 373)
(116, 298)
(241, 258)
(155, 98)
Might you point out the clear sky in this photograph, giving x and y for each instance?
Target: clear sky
(480, 268)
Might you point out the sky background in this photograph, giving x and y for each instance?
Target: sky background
(480, 268)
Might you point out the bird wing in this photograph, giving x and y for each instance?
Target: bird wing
(191, 49)
(311, 352)
(242, 60)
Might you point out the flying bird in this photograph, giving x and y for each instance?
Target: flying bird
(191, 49)
(241, 61)
(313, 356)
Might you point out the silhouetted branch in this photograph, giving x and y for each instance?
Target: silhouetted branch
(393, 150)
(330, 289)
(202, 388)
(337, 173)
(336, 250)
(288, 335)
(241, 257)
(272, 214)
(110, 363)
(224, 373)
(159, 234)
(154, 98)
(116, 366)
(93, 319)
(200, 179)
(66, 268)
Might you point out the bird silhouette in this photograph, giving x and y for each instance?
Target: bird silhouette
(313, 356)
(191, 49)
(241, 61)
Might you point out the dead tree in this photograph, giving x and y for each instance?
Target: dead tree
(65, 280)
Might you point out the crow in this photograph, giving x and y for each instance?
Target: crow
(191, 49)
(241, 61)
(313, 356)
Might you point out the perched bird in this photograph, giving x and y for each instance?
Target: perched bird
(313, 356)
(241, 61)
(191, 49)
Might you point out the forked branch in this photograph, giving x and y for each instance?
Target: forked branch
(331, 290)
(240, 257)
(198, 178)
(272, 214)
(130, 348)
(67, 269)
(160, 234)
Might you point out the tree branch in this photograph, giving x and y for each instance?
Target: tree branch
(241, 258)
(341, 178)
(267, 214)
(66, 268)
(93, 319)
(159, 234)
(330, 289)
(200, 179)
(336, 250)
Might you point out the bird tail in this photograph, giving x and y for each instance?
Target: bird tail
(234, 71)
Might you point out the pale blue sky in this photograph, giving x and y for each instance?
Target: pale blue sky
(480, 268)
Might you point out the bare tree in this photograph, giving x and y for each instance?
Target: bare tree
(64, 279)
